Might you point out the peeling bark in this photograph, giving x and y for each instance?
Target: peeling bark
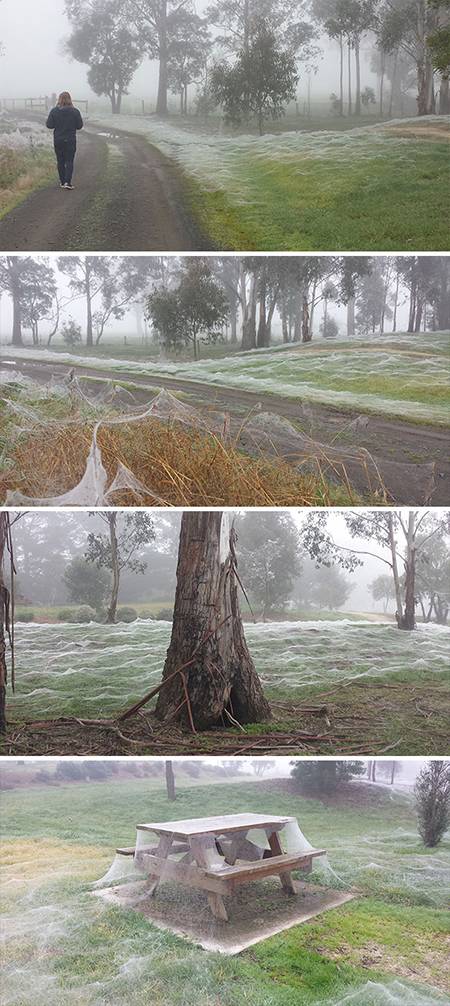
(207, 634)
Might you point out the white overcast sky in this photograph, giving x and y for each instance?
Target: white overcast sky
(34, 63)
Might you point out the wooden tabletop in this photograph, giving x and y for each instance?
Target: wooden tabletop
(215, 825)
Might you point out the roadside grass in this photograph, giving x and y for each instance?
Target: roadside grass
(21, 173)
(63, 945)
(389, 201)
(176, 465)
(388, 377)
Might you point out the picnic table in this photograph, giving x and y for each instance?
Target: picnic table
(215, 854)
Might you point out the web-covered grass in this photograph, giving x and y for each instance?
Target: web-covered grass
(376, 187)
(96, 670)
(26, 160)
(406, 376)
(385, 948)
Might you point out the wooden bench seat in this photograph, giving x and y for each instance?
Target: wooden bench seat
(150, 849)
(264, 867)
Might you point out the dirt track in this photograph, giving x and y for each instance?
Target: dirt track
(127, 197)
(391, 442)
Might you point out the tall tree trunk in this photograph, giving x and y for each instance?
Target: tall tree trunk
(409, 619)
(341, 75)
(261, 339)
(393, 83)
(249, 322)
(394, 317)
(306, 329)
(112, 609)
(13, 270)
(444, 95)
(161, 101)
(351, 316)
(349, 63)
(89, 332)
(395, 572)
(313, 307)
(4, 618)
(358, 77)
(170, 781)
(208, 639)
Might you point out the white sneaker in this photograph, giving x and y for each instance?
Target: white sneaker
(67, 186)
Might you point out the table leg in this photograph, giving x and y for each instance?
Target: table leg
(217, 906)
(204, 849)
(162, 851)
(286, 879)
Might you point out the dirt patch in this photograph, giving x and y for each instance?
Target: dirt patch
(256, 911)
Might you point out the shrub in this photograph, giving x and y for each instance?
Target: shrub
(83, 614)
(316, 778)
(164, 615)
(126, 614)
(432, 793)
(65, 615)
(25, 616)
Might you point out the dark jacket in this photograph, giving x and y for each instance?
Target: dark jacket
(65, 120)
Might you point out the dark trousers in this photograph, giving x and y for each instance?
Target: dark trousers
(65, 156)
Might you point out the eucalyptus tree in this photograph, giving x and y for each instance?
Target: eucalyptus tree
(158, 23)
(408, 25)
(120, 548)
(209, 677)
(401, 537)
(189, 51)
(107, 286)
(238, 21)
(103, 38)
(30, 283)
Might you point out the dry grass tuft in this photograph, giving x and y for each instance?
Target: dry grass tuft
(179, 467)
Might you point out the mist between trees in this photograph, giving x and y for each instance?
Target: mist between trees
(244, 58)
(79, 566)
(172, 306)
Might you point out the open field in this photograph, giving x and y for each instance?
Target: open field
(399, 375)
(302, 191)
(387, 946)
(345, 685)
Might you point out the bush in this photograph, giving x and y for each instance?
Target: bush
(315, 778)
(165, 615)
(25, 616)
(432, 793)
(65, 615)
(83, 614)
(70, 770)
(126, 614)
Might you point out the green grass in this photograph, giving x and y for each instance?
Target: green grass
(382, 687)
(63, 945)
(21, 173)
(386, 202)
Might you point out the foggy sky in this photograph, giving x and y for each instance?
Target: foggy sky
(359, 601)
(32, 33)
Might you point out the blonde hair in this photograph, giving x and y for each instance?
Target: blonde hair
(64, 99)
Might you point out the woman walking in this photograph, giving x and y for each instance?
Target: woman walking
(65, 120)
